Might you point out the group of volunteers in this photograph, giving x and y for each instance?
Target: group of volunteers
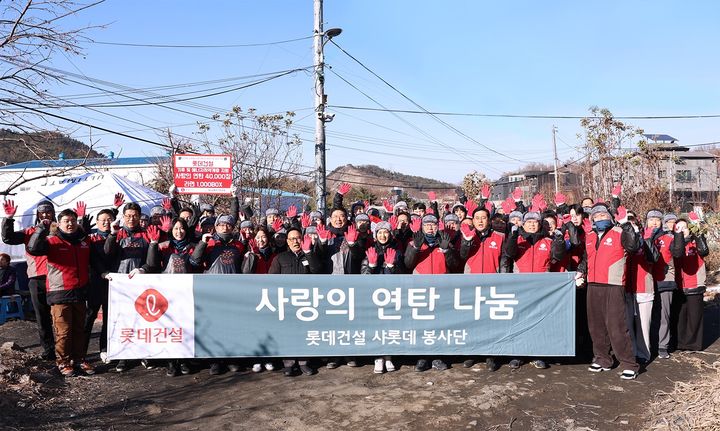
(624, 266)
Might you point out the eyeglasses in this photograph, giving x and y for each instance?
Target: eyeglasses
(295, 238)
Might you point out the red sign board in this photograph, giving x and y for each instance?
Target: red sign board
(203, 173)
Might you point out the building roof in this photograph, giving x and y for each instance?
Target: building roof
(659, 137)
(59, 164)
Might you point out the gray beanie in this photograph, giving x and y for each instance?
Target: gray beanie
(655, 214)
(401, 204)
(517, 214)
(597, 209)
(157, 210)
(316, 214)
(271, 211)
(225, 219)
(207, 221)
(246, 223)
(532, 215)
(207, 207)
(310, 230)
(669, 217)
(429, 218)
(451, 217)
(362, 217)
(382, 225)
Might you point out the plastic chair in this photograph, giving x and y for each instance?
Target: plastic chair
(5, 304)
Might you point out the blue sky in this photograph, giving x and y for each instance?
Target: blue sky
(645, 58)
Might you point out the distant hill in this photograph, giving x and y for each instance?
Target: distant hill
(381, 181)
(42, 145)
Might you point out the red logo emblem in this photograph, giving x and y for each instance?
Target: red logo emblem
(151, 305)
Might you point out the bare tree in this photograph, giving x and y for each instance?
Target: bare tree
(473, 183)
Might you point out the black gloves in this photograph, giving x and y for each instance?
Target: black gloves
(418, 238)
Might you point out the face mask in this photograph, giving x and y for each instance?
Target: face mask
(430, 239)
(603, 225)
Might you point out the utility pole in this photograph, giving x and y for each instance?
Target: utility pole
(320, 100)
(554, 129)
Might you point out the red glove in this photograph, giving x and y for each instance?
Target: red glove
(507, 206)
(277, 224)
(560, 199)
(344, 188)
(432, 196)
(352, 234)
(323, 233)
(198, 228)
(617, 190)
(393, 222)
(441, 226)
(153, 233)
(165, 222)
(621, 215)
(416, 225)
(648, 233)
(252, 244)
(517, 194)
(167, 204)
(305, 220)
(291, 211)
(470, 206)
(566, 218)
(372, 256)
(390, 254)
(485, 192)
(429, 211)
(119, 200)
(587, 225)
(692, 215)
(245, 234)
(447, 208)
(489, 206)
(10, 208)
(80, 208)
(388, 206)
(542, 205)
(306, 244)
(366, 203)
(467, 231)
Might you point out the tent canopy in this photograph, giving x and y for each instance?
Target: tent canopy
(96, 189)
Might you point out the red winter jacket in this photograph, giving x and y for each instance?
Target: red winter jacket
(640, 268)
(35, 264)
(68, 266)
(428, 260)
(533, 252)
(483, 252)
(690, 272)
(606, 261)
(670, 246)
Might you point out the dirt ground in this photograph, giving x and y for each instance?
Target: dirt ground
(34, 396)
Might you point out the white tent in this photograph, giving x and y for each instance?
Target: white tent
(96, 189)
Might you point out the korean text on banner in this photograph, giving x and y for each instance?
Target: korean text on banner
(203, 174)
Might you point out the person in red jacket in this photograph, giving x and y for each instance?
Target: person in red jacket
(607, 248)
(670, 246)
(690, 274)
(430, 252)
(481, 250)
(68, 270)
(36, 270)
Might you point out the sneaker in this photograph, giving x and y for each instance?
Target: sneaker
(86, 368)
(439, 365)
(539, 363)
(389, 366)
(596, 368)
(515, 364)
(172, 369)
(421, 365)
(352, 364)
(147, 364)
(628, 375)
(379, 366)
(234, 367)
(257, 368)
(121, 366)
(663, 354)
(104, 358)
(307, 371)
(332, 365)
(468, 363)
(269, 366)
(215, 369)
(66, 370)
(490, 364)
(185, 368)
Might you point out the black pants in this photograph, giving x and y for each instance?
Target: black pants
(97, 296)
(608, 326)
(690, 323)
(43, 318)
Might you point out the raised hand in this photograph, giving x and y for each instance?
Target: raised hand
(153, 233)
(323, 233)
(444, 240)
(489, 206)
(253, 246)
(167, 204)
(587, 225)
(485, 192)
(692, 215)
(560, 199)
(617, 190)
(468, 232)
(507, 206)
(305, 220)
(344, 188)
(10, 208)
(388, 206)
(277, 224)
(621, 215)
(291, 211)
(80, 208)
(470, 205)
(372, 256)
(416, 225)
(352, 234)
(307, 244)
(432, 196)
(393, 222)
(517, 194)
(115, 227)
(390, 255)
(648, 232)
(118, 200)
(366, 203)
(418, 239)
(165, 223)
(429, 211)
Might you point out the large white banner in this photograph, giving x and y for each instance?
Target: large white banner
(151, 316)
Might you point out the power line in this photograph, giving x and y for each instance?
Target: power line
(547, 117)
(234, 45)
